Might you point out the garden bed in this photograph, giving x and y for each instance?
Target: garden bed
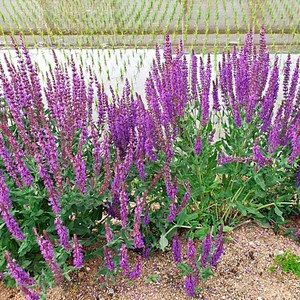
(243, 273)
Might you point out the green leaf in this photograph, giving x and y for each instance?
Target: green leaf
(163, 242)
(152, 278)
(227, 228)
(260, 181)
(185, 269)
(278, 212)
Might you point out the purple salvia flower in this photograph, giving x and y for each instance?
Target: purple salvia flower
(146, 251)
(223, 158)
(268, 101)
(211, 136)
(121, 168)
(108, 259)
(52, 192)
(185, 197)
(172, 210)
(215, 95)
(289, 104)
(18, 155)
(124, 264)
(47, 251)
(80, 172)
(263, 58)
(4, 193)
(295, 141)
(146, 219)
(62, 232)
(190, 285)
(198, 144)
(137, 269)
(29, 293)
(176, 249)
(253, 91)
(11, 223)
(274, 134)
(258, 156)
(113, 209)
(52, 156)
(8, 162)
(141, 168)
(194, 80)
(17, 272)
(106, 159)
(43, 171)
(54, 200)
(77, 253)
(138, 240)
(13, 107)
(286, 77)
(219, 248)
(234, 102)
(168, 182)
(206, 248)
(123, 206)
(168, 50)
(205, 77)
(223, 80)
(191, 251)
(108, 233)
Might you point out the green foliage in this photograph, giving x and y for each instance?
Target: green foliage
(152, 278)
(288, 261)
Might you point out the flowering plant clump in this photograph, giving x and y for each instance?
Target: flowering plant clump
(199, 264)
(198, 151)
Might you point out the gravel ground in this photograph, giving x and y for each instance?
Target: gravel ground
(243, 273)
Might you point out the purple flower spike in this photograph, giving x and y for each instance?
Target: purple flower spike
(62, 233)
(77, 253)
(176, 249)
(30, 294)
(219, 248)
(206, 247)
(146, 219)
(108, 260)
(108, 233)
(47, 251)
(185, 197)
(21, 278)
(146, 251)
(137, 269)
(258, 156)
(172, 212)
(137, 235)
(124, 260)
(11, 223)
(191, 250)
(17, 272)
(4, 193)
(198, 144)
(190, 285)
(123, 206)
(80, 172)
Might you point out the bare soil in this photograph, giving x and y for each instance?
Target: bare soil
(243, 273)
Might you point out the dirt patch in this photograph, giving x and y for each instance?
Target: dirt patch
(243, 273)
